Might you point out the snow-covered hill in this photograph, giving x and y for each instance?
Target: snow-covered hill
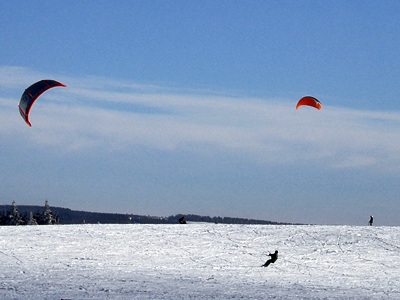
(199, 261)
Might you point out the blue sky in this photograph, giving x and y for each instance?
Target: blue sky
(188, 107)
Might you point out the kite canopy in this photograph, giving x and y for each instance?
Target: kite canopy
(309, 101)
(32, 93)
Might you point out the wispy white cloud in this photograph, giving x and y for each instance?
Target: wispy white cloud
(100, 113)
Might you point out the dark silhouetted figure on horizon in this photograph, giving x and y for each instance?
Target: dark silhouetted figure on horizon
(371, 220)
(182, 220)
(274, 257)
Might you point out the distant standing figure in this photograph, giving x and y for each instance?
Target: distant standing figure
(371, 220)
(182, 220)
(274, 257)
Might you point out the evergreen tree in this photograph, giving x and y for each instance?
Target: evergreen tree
(56, 219)
(48, 215)
(32, 220)
(15, 217)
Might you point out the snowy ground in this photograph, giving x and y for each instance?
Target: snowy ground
(199, 261)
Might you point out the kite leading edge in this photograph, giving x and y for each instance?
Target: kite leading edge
(32, 93)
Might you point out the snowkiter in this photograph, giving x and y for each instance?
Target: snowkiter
(371, 220)
(274, 257)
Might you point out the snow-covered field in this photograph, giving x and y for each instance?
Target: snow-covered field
(199, 261)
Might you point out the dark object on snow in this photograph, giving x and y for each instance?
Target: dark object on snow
(274, 257)
(182, 220)
(371, 220)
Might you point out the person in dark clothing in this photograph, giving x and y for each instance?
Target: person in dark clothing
(182, 220)
(371, 220)
(274, 257)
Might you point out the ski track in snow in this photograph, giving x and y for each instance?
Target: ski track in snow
(199, 261)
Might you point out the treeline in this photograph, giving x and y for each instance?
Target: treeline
(222, 220)
(30, 215)
(12, 216)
